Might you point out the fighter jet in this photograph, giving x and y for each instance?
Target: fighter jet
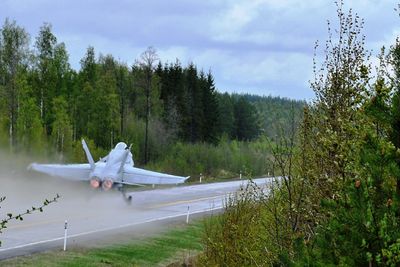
(112, 171)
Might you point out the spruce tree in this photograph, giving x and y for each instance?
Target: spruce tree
(246, 123)
(210, 109)
(226, 115)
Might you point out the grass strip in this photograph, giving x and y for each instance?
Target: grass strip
(148, 252)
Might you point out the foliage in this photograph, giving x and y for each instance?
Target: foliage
(30, 132)
(61, 127)
(145, 71)
(225, 160)
(275, 113)
(265, 223)
(356, 162)
(246, 126)
(338, 200)
(236, 238)
(20, 216)
(13, 56)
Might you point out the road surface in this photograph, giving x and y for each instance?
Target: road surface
(94, 217)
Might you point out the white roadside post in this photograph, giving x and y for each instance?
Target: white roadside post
(201, 176)
(65, 235)
(187, 216)
(240, 175)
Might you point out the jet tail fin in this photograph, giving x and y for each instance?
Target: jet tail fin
(88, 155)
(127, 150)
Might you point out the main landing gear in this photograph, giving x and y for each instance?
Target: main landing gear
(127, 198)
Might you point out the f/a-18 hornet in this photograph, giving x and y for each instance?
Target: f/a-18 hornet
(114, 170)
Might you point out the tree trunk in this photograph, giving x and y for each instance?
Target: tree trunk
(146, 138)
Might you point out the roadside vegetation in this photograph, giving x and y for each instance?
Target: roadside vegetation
(338, 201)
(174, 245)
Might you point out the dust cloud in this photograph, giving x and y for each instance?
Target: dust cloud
(24, 189)
(85, 209)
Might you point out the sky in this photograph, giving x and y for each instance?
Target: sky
(262, 47)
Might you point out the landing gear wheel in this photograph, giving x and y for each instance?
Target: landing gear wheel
(127, 198)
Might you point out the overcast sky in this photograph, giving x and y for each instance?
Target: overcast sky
(261, 47)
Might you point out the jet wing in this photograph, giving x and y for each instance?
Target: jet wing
(75, 172)
(135, 176)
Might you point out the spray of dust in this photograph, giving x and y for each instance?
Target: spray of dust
(24, 189)
(79, 204)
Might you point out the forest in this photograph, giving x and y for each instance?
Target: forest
(337, 201)
(172, 113)
(335, 196)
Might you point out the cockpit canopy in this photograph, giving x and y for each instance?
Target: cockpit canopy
(120, 146)
(117, 153)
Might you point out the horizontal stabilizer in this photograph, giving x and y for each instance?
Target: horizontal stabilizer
(132, 175)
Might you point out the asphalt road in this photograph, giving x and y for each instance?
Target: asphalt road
(97, 217)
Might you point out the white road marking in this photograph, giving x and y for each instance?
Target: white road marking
(217, 188)
(107, 229)
(185, 201)
(166, 204)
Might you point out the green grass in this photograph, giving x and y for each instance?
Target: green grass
(158, 250)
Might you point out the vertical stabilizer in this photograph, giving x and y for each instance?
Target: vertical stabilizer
(88, 155)
(124, 158)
